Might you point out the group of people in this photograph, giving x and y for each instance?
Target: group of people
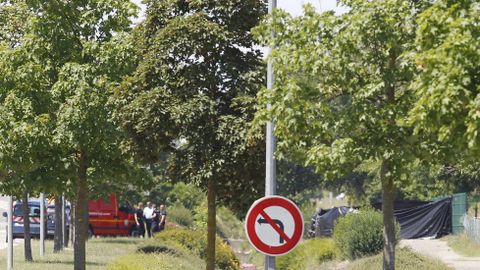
(149, 219)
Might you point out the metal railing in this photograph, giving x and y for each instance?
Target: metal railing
(472, 228)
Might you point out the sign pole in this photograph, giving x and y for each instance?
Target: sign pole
(271, 166)
(10, 233)
(64, 242)
(42, 224)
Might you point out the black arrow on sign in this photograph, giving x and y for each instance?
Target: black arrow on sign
(278, 222)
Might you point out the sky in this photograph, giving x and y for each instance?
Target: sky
(294, 7)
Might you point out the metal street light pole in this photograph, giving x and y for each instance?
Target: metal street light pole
(271, 165)
(42, 224)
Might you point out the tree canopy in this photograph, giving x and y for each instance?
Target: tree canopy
(57, 76)
(383, 98)
(193, 95)
(447, 86)
(341, 96)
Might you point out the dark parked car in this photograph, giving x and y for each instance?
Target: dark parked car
(51, 220)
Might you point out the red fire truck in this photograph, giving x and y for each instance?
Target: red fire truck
(107, 217)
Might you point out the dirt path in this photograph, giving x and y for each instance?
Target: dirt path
(440, 249)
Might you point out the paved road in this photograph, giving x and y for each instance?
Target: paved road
(3, 223)
(440, 249)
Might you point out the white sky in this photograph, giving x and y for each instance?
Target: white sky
(294, 7)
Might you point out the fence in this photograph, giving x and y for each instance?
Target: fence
(472, 228)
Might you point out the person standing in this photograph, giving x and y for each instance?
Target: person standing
(148, 213)
(163, 217)
(156, 219)
(139, 220)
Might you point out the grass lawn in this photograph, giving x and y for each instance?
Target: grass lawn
(462, 245)
(405, 259)
(100, 252)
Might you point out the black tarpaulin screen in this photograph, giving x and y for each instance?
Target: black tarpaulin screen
(327, 219)
(432, 219)
(417, 219)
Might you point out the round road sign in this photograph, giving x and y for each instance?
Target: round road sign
(274, 225)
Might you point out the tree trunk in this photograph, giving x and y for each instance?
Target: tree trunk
(81, 212)
(26, 228)
(388, 188)
(58, 235)
(211, 225)
(388, 197)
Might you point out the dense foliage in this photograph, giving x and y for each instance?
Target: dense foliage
(308, 255)
(341, 96)
(447, 85)
(360, 234)
(195, 242)
(381, 101)
(193, 95)
(177, 249)
(59, 63)
(180, 215)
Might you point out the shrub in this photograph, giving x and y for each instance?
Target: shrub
(308, 210)
(225, 258)
(165, 192)
(201, 215)
(359, 235)
(309, 254)
(180, 215)
(196, 242)
(228, 225)
(188, 195)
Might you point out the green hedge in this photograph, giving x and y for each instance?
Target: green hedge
(177, 249)
(180, 215)
(359, 235)
(196, 242)
(308, 254)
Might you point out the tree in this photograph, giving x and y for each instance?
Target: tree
(341, 94)
(447, 86)
(71, 56)
(58, 236)
(193, 96)
(88, 135)
(24, 119)
(13, 22)
(27, 247)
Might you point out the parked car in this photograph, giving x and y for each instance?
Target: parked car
(107, 217)
(51, 220)
(34, 207)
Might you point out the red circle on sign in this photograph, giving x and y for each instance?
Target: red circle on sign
(257, 209)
